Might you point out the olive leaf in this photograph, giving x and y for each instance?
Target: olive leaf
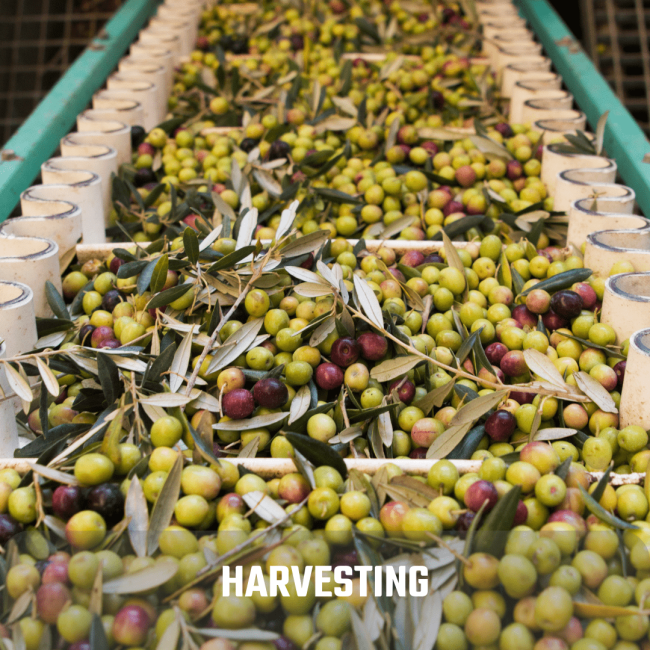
(492, 536)
(312, 290)
(543, 367)
(171, 635)
(454, 261)
(368, 301)
(265, 507)
(109, 377)
(478, 407)
(163, 509)
(435, 397)
(560, 281)
(250, 450)
(607, 517)
(168, 296)
(49, 380)
(136, 510)
(595, 391)
(385, 429)
(426, 631)
(593, 610)
(249, 634)
(159, 274)
(98, 640)
(554, 433)
(599, 490)
(181, 362)
(468, 445)
(110, 444)
(300, 404)
(490, 148)
(18, 383)
(235, 345)
(600, 133)
(392, 368)
(55, 301)
(258, 422)
(317, 452)
(166, 400)
(149, 578)
(53, 474)
(448, 440)
(305, 275)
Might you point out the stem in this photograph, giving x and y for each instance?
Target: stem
(466, 375)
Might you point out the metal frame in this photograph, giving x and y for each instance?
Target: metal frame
(39, 136)
(624, 139)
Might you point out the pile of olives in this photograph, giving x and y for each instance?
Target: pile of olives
(550, 575)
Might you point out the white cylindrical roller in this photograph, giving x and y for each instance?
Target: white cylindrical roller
(547, 87)
(562, 122)
(155, 71)
(184, 29)
(606, 247)
(531, 68)
(608, 213)
(9, 439)
(85, 190)
(555, 161)
(635, 405)
(127, 111)
(492, 27)
(31, 261)
(98, 158)
(515, 53)
(186, 11)
(98, 129)
(47, 212)
(574, 184)
(143, 91)
(170, 42)
(533, 110)
(159, 109)
(626, 303)
(503, 37)
(18, 324)
(158, 54)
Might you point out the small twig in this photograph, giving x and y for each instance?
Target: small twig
(456, 554)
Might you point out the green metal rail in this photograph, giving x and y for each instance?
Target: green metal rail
(624, 139)
(39, 136)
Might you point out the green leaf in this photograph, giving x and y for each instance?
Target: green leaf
(228, 261)
(130, 269)
(436, 398)
(368, 29)
(55, 301)
(163, 509)
(602, 484)
(517, 282)
(563, 470)
(98, 640)
(317, 452)
(607, 517)
(588, 344)
(336, 196)
(191, 244)
(493, 534)
(109, 377)
(200, 443)
(162, 363)
(168, 296)
(159, 274)
(560, 281)
(461, 226)
(468, 445)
